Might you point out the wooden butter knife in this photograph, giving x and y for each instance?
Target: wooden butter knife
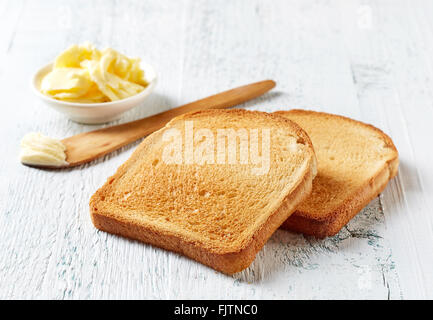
(88, 146)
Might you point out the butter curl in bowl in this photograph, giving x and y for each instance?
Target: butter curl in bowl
(94, 86)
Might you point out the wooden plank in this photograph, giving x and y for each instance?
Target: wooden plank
(389, 68)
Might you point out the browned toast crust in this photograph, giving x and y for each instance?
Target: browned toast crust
(220, 258)
(228, 263)
(338, 218)
(331, 222)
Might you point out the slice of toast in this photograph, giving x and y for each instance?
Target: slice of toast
(355, 163)
(220, 213)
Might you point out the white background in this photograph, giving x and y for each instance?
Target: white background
(370, 60)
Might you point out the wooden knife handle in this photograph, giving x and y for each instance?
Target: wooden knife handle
(87, 146)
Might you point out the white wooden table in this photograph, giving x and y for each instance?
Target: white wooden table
(370, 60)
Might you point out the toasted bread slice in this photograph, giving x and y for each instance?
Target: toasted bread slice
(355, 162)
(219, 214)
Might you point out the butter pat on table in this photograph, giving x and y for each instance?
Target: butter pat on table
(38, 149)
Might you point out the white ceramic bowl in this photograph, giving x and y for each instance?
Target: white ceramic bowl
(92, 113)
